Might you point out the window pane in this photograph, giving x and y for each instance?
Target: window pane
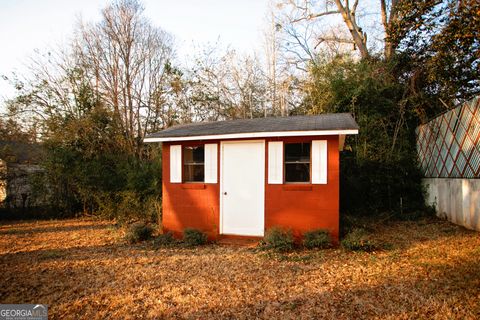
(194, 154)
(297, 152)
(297, 162)
(297, 172)
(193, 164)
(193, 172)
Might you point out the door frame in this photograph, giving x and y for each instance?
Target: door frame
(222, 144)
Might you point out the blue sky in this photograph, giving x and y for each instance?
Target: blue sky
(26, 25)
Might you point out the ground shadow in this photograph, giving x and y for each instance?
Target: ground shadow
(385, 300)
(22, 230)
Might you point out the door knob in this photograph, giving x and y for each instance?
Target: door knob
(225, 193)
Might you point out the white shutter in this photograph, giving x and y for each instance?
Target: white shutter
(211, 163)
(319, 161)
(176, 164)
(275, 162)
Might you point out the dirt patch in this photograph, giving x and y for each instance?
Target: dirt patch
(83, 269)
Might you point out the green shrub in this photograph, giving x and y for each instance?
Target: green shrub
(164, 240)
(278, 239)
(194, 237)
(138, 231)
(319, 238)
(358, 240)
(126, 205)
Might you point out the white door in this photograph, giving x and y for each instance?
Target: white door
(242, 190)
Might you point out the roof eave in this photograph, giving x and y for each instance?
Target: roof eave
(254, 135)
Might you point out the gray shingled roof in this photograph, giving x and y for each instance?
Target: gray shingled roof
(329, 121)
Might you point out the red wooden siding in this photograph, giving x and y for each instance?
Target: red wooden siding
(188, 205)
(300, 207)
(303, 207)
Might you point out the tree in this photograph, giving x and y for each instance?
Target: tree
(126, 57)
(12, 130)
(318, 16)
(431, 61)
(93, 102)
(225, 85)
(389, 14)
(439, 43)
(123, 60)
(312, 14)
(281, 90)
(56, 89)
(359, 37)
(271, 47)
(381, 161)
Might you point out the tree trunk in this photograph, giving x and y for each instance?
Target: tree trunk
(359, 38)
(387, 18)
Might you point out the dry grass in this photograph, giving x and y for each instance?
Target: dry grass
(83, 269)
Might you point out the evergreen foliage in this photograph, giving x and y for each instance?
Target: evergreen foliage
(378, 167)
(193, 237)
(317, 239)
(138, 232)
(278, 239)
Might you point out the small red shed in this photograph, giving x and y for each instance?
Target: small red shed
(241, 177)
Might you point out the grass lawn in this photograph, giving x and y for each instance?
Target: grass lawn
(83, 269)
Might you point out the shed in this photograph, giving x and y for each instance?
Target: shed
(242, 177)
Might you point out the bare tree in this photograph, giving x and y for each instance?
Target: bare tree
(51, 91)
(127, 57)
(320, 14)
(348, 13)
(282, 63)
(122, 63)
(271, 46)
(311, 14)
(226, 85)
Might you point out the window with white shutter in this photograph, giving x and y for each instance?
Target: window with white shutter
(319, 161)
(211, 163)
(275, 162)
(176, 164)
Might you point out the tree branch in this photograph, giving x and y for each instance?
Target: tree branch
(315, 15)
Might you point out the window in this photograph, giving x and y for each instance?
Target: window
(193, 164)
(297, 162)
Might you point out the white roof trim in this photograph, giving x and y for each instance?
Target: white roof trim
(254, 135)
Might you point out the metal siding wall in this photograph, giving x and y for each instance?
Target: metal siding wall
(449, 145)
(458, 200)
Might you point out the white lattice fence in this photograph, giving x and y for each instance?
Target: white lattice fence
(449, 145)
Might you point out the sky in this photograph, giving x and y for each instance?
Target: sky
(29, 25)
